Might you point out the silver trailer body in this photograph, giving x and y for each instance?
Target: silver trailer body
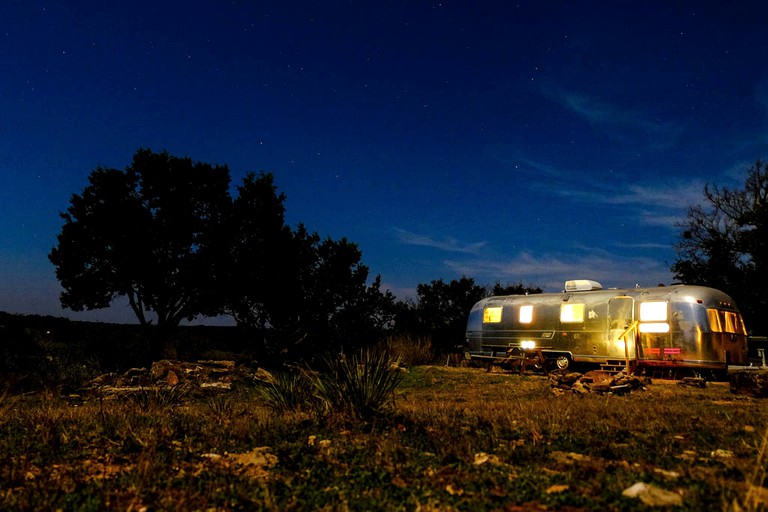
(666, 326)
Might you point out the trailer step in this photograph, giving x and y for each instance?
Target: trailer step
(613, 368)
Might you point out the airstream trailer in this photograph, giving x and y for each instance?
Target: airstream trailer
(665, 327)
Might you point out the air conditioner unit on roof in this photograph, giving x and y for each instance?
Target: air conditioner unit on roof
(582, 285)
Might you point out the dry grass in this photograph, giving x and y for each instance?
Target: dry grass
(457, 439)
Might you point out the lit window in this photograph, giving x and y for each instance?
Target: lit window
(653, 312)
(654, 327)
(740, 328)
(570, 313)
(526, 314)
(732, 322)
(729, 321)
(714, 320)
(492, 315)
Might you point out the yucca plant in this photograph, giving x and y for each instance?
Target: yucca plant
(162, 397)
(360, 385)
(286, 391)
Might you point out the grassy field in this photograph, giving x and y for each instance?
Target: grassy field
(453, 439)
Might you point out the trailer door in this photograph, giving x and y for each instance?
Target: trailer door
(621, 314)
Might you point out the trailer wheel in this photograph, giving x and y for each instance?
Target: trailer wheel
(562, 362)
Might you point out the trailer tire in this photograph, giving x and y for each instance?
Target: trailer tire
(562, 362)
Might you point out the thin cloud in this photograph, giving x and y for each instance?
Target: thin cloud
(448, 244)
(658, 204)
(614, 120)
(550, 271)
(643, 245)
(675, 195)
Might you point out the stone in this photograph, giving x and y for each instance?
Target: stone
(752, 383)
(653, 496)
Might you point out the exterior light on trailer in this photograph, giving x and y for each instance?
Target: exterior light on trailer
(527, 344)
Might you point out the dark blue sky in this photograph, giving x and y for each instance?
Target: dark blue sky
(535, 141)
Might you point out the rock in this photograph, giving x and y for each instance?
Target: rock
(160, 369)
(653, 496)
(482, 458)
(693, 382)
(721, 454)
(209, 376)
(594, 382)
(264, 376)
(579, 388)
(749, 382)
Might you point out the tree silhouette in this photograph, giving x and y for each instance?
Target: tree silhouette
(166, 234)
(442, 311)
(148, 233)
(258, 254)
(325, 301)
(514, 289)
(724, 244)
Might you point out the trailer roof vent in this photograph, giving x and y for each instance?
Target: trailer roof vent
(582, 285)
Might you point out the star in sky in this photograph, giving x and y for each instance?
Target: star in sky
(528, 141)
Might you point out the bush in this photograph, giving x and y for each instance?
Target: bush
(360, 385)
(286, 391)
(412, 351)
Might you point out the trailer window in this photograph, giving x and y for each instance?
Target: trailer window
(492, 315)
(526, 314)
(726, 321)
(738, 324)
(654, 327)
(653, 312)
(572, 313)
(714, 320)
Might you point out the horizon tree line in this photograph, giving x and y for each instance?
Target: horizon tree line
(167, 234)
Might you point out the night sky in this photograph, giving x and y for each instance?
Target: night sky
(524, 141)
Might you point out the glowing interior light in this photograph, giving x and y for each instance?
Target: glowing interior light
(526, 314)
(572, 313)
(653, 311)
(526, 344)
(654, 327)
(492, 315)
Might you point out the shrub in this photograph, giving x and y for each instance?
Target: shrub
(412, 351)
(287, 390)
(360, 385)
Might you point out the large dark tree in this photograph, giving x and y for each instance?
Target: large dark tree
(442, 311)
(724, 244)
(325, 301)
(260, 254)
(166, 234)
(151, 233)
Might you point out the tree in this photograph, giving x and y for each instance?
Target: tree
(258, 255)
(514, 289)
(166, 234)
(724, 244)
(442, 311)
(150, 233)
(325, 301)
